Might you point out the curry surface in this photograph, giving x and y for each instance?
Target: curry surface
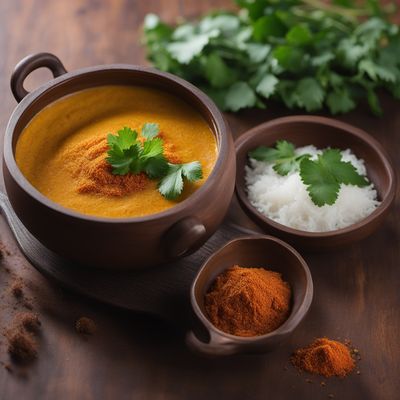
(94, 113)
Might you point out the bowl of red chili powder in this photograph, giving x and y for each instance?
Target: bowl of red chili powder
(249, 296)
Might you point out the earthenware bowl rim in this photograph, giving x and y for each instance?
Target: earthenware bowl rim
(293, 320)
(347, 129)
(220, 129)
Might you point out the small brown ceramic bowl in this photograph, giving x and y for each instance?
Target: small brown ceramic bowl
(322, 132)
(116, 242)
(249, 251)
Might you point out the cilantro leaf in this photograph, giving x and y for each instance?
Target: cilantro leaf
(128, 155)
(156, 167)
(324, 176)
(192, 171)
(152, 148)
(240, 95)
(267, 85)
(294, 51)
(340, 101)
(284, 156)
(124, 140)
(217, 72)
(310, 94)
(185, 51)
(150, 130)
(121, 160)
(171, 185)
(266, 26)
(299, 35)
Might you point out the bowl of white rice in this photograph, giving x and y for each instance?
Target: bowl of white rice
(282, 206)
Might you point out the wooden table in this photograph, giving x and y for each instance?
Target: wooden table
(131, 356)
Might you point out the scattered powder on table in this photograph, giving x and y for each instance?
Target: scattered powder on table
(17, 289)
(87, 163)
(86, 326)
(22, 346)
(324, 357)
(248, 301)
(30, 322)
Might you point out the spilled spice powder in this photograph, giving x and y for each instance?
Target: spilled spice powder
(324, 357)
(29, 321)
(87, 163)
(17, 289)
(86, 326)
(248, 301)
(22, 347)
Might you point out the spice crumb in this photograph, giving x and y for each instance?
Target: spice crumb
(323, 383)
(86, 326)
(331, 396)
(309, 381)
(358, 372)
(30, 322)
(8, 368)
(17, 290)
(22, 347)
(28, 305)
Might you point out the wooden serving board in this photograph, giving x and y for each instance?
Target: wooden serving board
(162, 291)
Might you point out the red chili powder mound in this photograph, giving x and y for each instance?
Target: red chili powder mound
(87, 163)
(324, 357)
(248, 301)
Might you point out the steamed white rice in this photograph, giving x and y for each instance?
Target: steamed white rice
(286, 200)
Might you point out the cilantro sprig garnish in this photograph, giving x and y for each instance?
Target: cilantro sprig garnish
(305, 54)
(128, 154)
(322, 176)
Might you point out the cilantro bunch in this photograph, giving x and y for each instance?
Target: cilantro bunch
(308, 54)
(127, 154)
(322, 177)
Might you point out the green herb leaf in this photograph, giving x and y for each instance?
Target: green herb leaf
(121, 160)
(283, 155)
(299, 35)
(240, 95)
(128, 155)
(340, 101)
(217, 72)
(324, 176)
(171, 185)
(310, 94)
(267, 85)
(156, 167)
(152, 148)
(125, 138)
(306, 54)
(150, 130)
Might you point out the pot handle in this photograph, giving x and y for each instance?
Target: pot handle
(184, 237)
(29, 64)
(217, 345)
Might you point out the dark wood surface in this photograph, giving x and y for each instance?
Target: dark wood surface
(133, 356)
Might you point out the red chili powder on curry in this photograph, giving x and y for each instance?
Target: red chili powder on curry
(248, 301)
(324, 357)
(87, 164)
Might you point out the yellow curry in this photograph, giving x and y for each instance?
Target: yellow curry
(62, 150)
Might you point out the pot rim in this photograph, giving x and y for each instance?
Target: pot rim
(347, 129)
(219, 128)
